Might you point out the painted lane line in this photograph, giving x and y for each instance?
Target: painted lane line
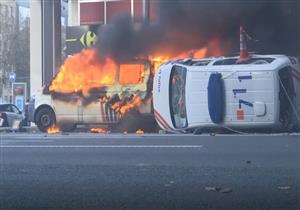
(101, 146)
(26, 141)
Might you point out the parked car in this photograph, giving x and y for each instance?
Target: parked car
(11, 116)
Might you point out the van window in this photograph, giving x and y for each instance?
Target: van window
(177, 97)
(286, 95)
(131, 74)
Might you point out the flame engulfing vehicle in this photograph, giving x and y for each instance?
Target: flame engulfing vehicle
(261, 92)
(93, 92)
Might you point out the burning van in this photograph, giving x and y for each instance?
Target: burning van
(88, 92)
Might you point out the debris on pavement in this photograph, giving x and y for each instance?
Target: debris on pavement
(212, 188)
(218, 189)
(226, 190)
(284, 187)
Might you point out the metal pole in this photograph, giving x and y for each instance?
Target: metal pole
(132, 9)
(51, 38)
(146, 10)
(105, 20)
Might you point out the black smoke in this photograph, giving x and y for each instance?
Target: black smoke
(124, 40)
(192, 24)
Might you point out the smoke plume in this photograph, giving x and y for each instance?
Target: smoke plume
(192, 24)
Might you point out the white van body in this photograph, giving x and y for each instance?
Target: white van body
(253, 94)
(69, 110)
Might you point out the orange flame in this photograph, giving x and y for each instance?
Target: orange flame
(131, 74)
(53, 130)
(139, 131)
(212, 49)
(122, 107)
(82, 72)
(98, 130)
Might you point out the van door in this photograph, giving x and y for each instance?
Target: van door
(67, 110)
(91, 112)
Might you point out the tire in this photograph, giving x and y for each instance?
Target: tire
(45, 118)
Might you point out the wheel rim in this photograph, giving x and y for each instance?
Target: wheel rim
(45, 120)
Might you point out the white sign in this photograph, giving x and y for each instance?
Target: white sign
(12, 76)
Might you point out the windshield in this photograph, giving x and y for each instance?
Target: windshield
(177, 97)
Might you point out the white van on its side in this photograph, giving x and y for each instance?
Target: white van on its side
(263, 93)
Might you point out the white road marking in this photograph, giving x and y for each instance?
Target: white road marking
(25, 141)
(102, 146)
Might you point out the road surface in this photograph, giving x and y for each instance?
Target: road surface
(96, 171)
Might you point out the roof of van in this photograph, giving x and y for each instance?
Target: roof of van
(221, 61)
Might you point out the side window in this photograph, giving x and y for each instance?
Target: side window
(131, 74)
(14, 109)
(9, 109)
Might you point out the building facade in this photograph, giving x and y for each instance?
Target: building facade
(88, 12)
(7, 31)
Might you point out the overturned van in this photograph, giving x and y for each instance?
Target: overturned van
(262, 93)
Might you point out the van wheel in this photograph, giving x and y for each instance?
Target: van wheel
(45, 118)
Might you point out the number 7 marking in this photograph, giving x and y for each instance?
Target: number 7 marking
(245, 103)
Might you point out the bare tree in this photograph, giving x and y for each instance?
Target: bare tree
(15, 51)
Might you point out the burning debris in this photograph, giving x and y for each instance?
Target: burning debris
(98, 130)
(53, 130)
(140, 131)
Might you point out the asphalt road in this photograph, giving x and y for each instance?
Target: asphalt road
(94, 171)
